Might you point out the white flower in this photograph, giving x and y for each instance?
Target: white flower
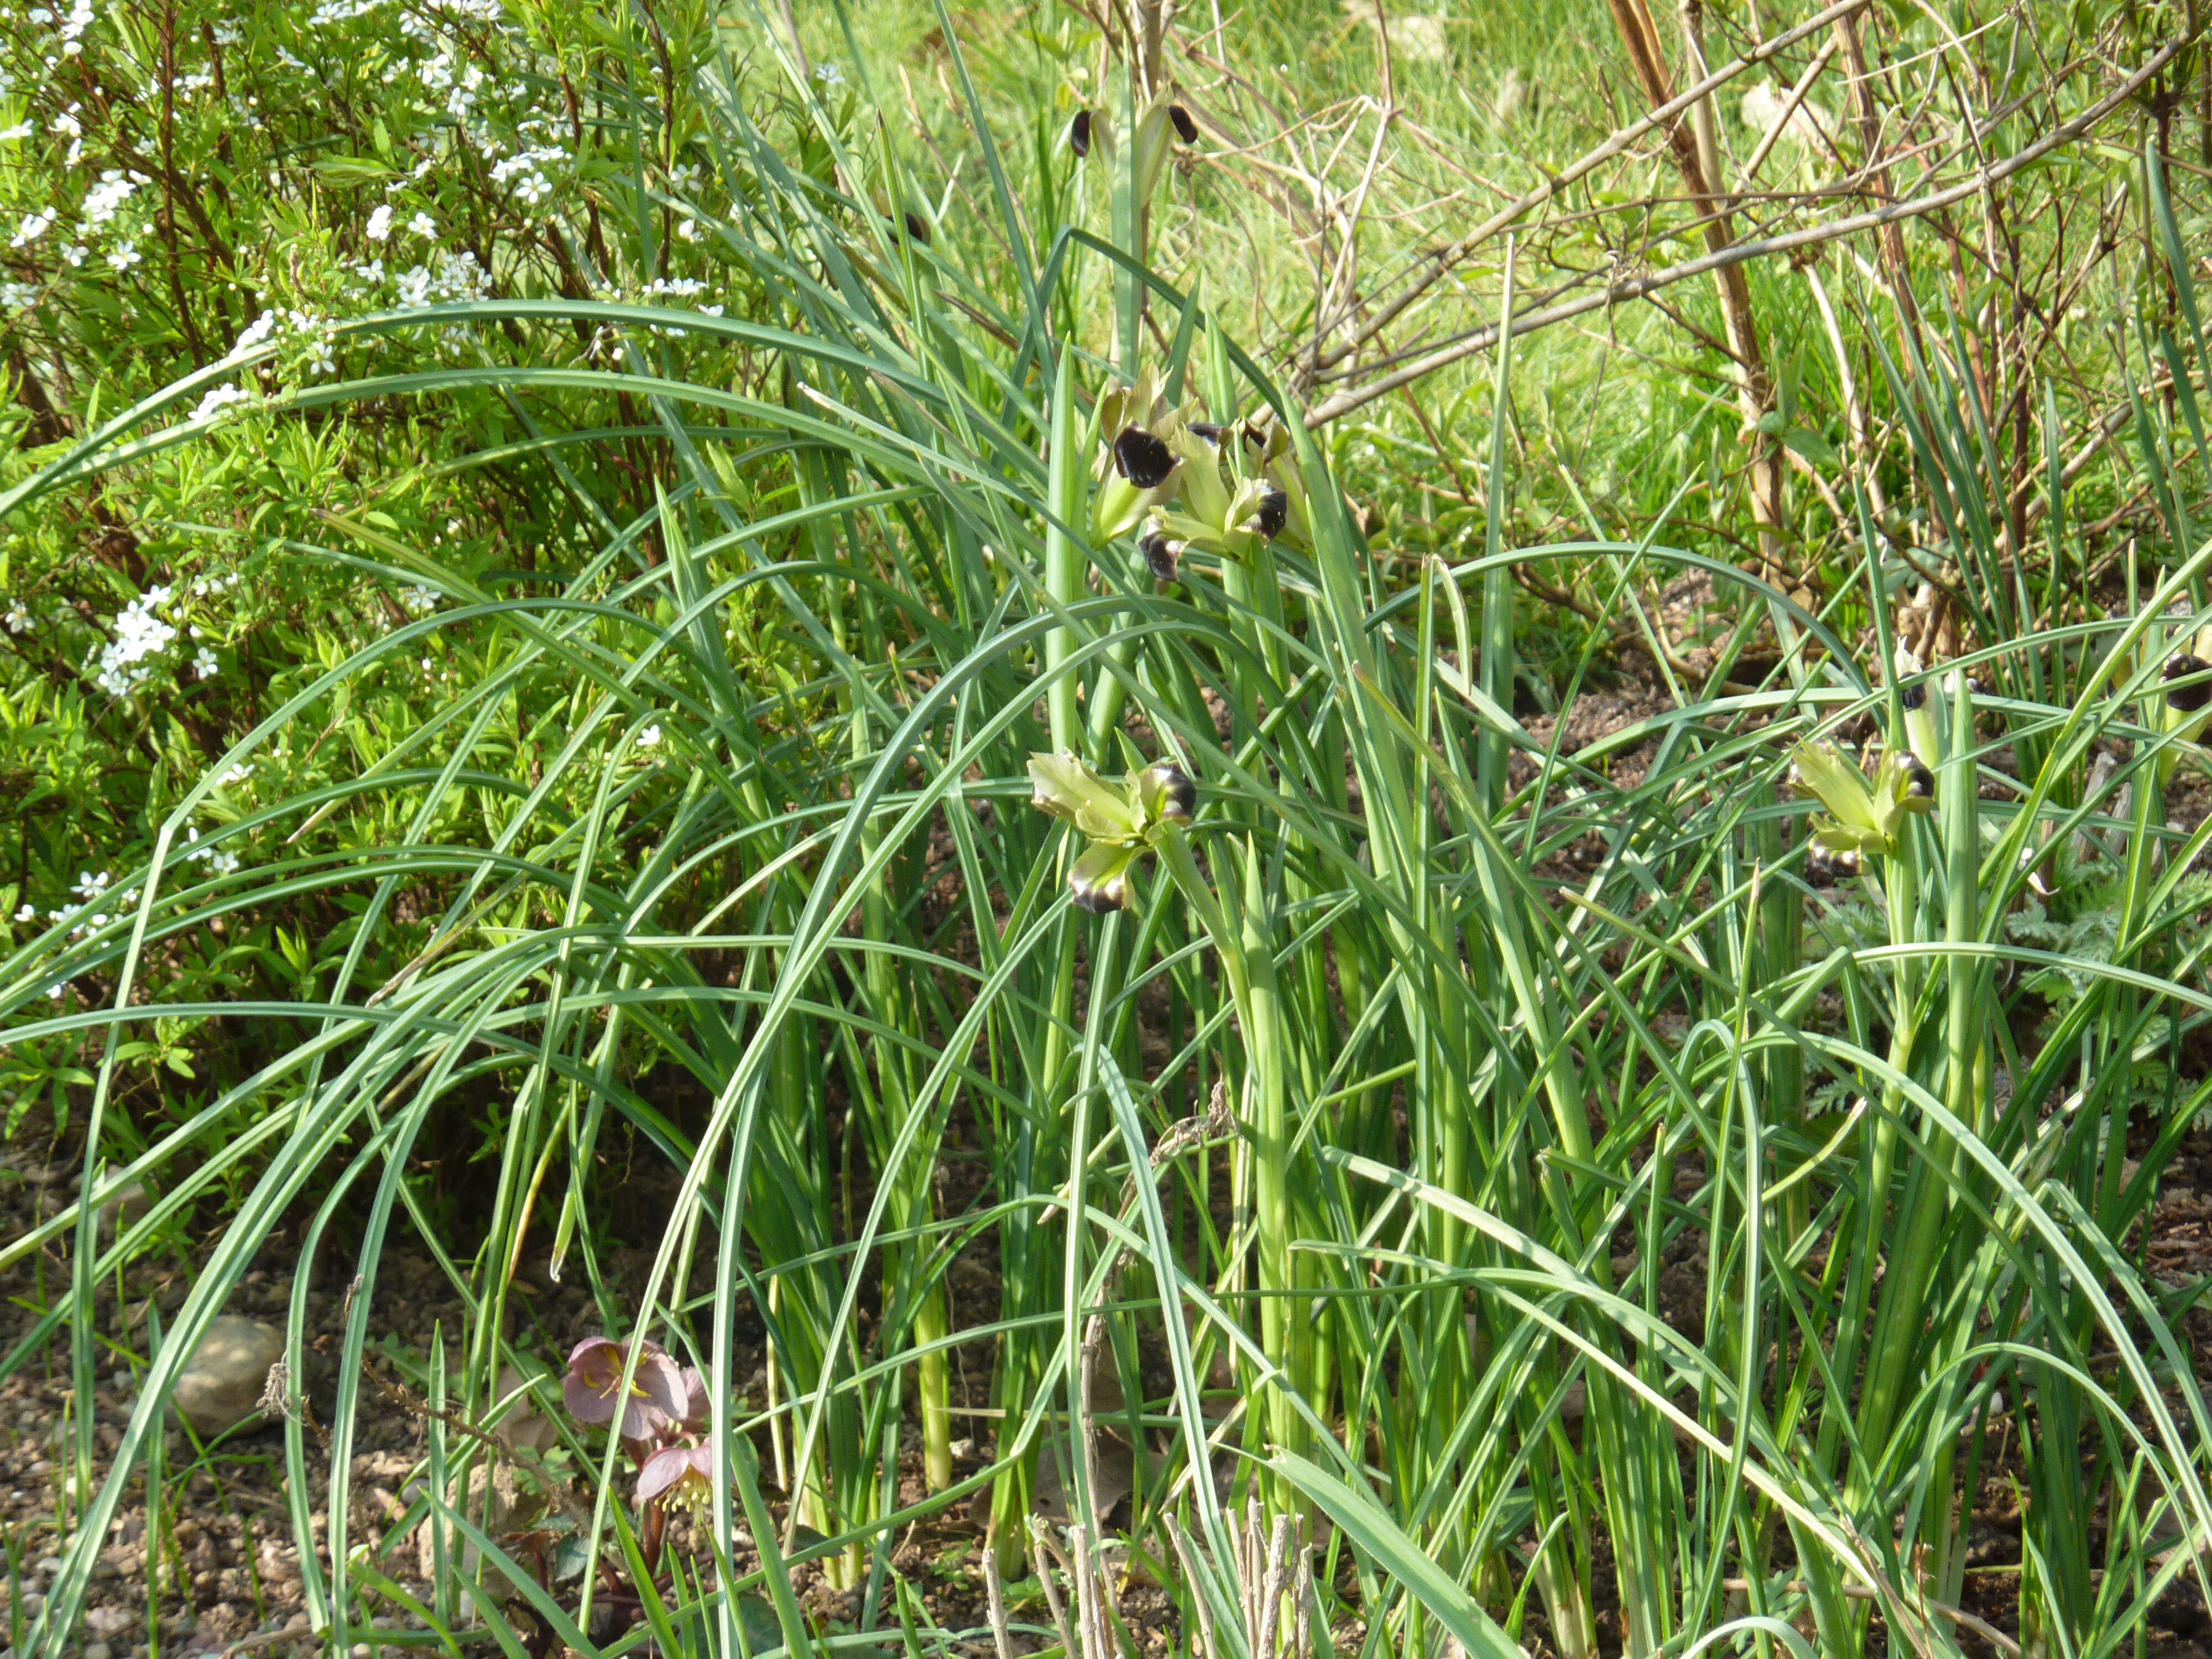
(419, 599)
(649, 737)
(829, 73)
(140, 634)
(17, 296)
(459, 277)
(28, 912)
(228, 33)
(256, 331)
(422, 225)
(107, 198)
(688, 230)
(15, 134)
(237, 774)
(91, 885)
(125, 257)
(218, 399)
(380, 223)
(527, 173)
(204, 665)
(17, 619)
(77, 253)
(33, 226)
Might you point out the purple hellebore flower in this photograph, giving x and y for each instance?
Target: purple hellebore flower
(595, 1381)
(679, 1475)
(700, 1410)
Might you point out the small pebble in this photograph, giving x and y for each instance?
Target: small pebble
(97, 1650)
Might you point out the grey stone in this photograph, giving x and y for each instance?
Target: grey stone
(522, 1429)
(221, 1385)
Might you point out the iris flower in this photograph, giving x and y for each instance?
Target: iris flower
(1121, 821)
(1140, 464)
(1157, 124)
(1863, 819)
(1240, 485)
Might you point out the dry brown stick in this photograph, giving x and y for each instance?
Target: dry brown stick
(1634, 287)
(1002, 1637)
(1754, 390)
(1186, 1552)
(1050, 1557)
(1521, 205)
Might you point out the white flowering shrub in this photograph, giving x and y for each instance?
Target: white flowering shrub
(234, 205)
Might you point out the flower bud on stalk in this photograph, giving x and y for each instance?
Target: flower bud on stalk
(1921, 732)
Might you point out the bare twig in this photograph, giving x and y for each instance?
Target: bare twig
(1690, 144)
(1002, 1636)
(1633, 287)
(1444, 258)
(1782, 123)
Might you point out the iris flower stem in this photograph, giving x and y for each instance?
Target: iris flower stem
(1239, 929)
(1064, 556)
